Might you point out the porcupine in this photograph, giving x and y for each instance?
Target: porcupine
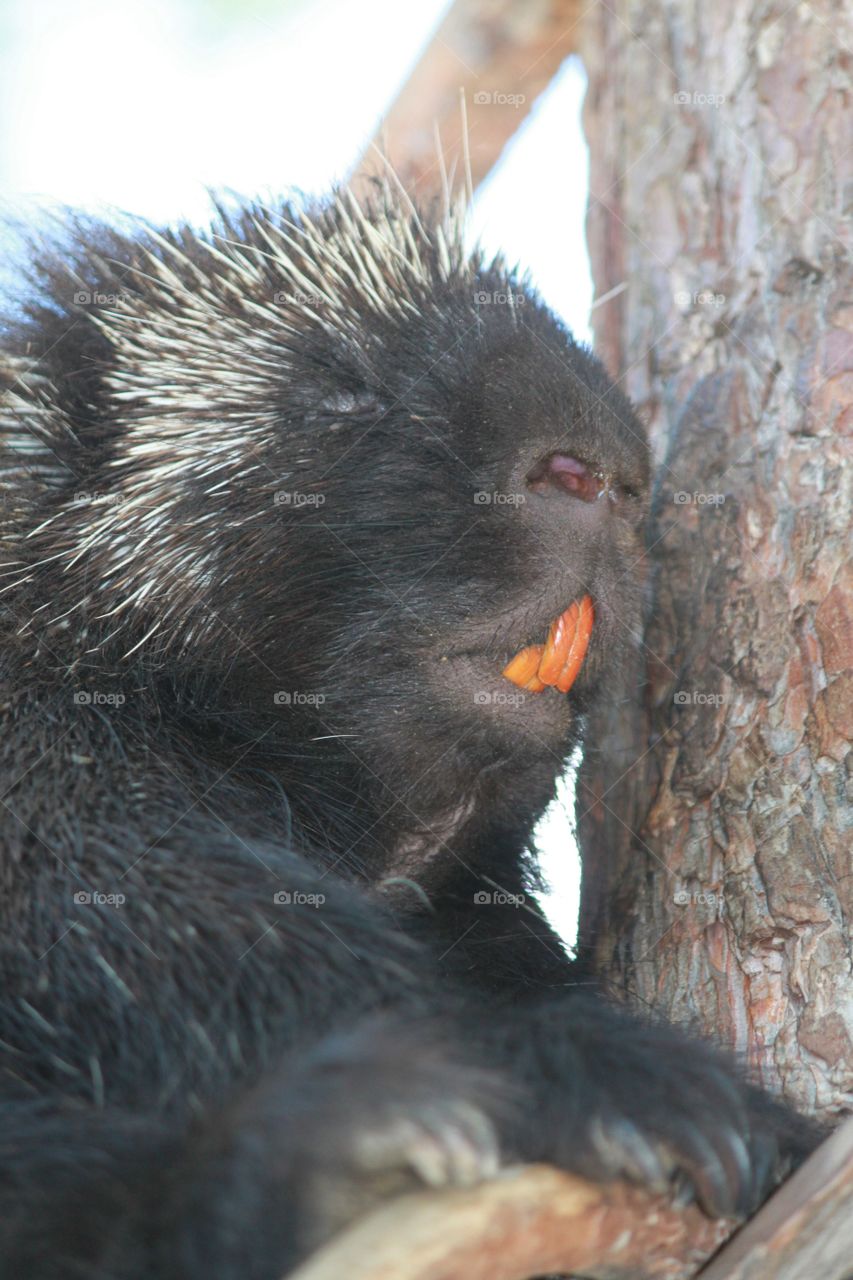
(280, 502)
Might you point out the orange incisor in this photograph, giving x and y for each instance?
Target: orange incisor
(557, 661)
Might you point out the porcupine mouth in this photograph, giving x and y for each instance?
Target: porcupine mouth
(556, 663)
(502, 673)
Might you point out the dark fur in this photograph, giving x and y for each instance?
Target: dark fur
(204, 1081)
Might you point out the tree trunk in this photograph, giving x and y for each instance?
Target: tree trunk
(713, 815)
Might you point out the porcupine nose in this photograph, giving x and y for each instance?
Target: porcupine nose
(559, 475)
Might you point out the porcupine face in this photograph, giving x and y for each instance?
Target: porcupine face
(460, 524)
(478, 472)
(342, 461)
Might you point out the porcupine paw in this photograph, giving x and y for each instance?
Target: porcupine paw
(441, 1143)
(379, 1115)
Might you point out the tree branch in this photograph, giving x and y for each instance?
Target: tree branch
(534, 1220)
(530, 1221)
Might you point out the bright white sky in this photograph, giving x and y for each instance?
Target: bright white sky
(142, 105)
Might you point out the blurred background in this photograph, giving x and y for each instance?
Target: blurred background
(142, 106)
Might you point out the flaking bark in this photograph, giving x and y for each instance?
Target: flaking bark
(715, 820)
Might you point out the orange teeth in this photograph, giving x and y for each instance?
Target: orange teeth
(557, 646)
(558, 661)
(584, 615)
(524, 668)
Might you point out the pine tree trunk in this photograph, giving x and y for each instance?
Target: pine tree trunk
(715, 817)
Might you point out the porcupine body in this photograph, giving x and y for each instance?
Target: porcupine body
(280, 501)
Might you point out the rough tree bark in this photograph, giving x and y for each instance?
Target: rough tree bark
(715, 818)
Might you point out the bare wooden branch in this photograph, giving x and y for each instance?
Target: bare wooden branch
(531, 1221)
(501, 54)
(806, 1231)
(534, 1220)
